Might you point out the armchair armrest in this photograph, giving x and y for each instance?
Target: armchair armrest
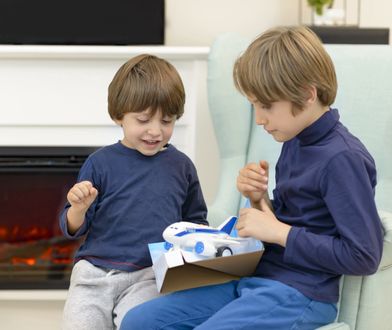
(364, 300)
(335, 326)
(386, 219)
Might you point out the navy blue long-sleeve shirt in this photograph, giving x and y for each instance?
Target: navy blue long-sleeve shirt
(138, 197)
(325, 182)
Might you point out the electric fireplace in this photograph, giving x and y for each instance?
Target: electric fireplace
(33, 185)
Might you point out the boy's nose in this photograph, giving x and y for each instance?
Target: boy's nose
(154, 130)
(260, 119)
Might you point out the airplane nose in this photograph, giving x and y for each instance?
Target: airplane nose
(167, 246)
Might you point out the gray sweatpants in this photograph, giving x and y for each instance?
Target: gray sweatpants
(98, 298)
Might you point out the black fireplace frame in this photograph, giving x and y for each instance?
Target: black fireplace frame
(50, 159)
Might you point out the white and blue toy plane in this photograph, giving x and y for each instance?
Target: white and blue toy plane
(203, 240)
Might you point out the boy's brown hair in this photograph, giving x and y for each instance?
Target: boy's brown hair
(146, 82)
(282, 64)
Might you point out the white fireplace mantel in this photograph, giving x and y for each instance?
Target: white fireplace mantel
(57, 95)
(100, 52)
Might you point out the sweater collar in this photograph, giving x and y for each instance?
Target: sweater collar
(319, 128)
(133, 152)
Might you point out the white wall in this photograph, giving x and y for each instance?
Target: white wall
(197, 23)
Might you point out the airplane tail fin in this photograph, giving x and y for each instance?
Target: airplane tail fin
(228, 225)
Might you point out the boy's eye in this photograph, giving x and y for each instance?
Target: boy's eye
(142, 120)
(262, 105)
(167, 120)
(257, 103)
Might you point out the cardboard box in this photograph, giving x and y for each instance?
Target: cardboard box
(179, 269)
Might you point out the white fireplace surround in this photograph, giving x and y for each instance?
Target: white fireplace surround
(57, 96)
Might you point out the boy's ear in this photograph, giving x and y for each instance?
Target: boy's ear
(312, 92)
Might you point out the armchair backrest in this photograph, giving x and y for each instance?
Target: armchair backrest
(364, 74)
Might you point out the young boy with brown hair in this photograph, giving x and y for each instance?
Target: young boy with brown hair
(322, 221)
(127, 194)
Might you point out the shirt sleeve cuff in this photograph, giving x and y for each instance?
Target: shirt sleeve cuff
(64, 225)
(289, 251)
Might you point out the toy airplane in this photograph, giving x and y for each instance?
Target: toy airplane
(204, 240)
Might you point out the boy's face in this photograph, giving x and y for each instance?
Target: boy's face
(279, 121)
(146, 133)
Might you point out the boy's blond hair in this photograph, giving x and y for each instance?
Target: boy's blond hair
(282, 64)
(146, 82)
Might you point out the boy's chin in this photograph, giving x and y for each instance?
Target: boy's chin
(278, 138)
(281, 138)
(149, 152)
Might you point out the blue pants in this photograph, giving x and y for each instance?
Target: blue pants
(250, 303)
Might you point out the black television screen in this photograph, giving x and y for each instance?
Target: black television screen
(82, 22)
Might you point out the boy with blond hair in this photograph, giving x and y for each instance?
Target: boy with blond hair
(322, 221)
(127, 194)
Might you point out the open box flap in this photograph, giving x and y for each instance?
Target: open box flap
(238, 265)
(191, 276)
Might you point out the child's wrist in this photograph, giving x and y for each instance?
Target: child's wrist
(77, 210)
(283, 234)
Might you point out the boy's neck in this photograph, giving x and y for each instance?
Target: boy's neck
(316, 110)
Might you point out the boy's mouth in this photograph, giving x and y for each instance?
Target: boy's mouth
(151, 142)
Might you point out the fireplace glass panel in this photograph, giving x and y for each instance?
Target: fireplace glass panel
(33, 185)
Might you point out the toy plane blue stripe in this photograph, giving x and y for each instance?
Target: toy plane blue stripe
(197, 230)
(227, 228)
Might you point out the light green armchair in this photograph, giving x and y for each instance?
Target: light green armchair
(364, 99)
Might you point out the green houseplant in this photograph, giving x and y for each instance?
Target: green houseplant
(318, 5)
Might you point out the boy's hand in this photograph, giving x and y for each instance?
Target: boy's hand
(82, 195)
(262, 225)
(252, 181)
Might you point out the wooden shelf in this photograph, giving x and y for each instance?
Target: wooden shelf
(351, 35)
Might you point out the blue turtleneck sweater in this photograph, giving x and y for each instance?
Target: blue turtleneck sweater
(138, 197)
(325, 182)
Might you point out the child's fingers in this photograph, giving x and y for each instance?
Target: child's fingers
(265, 207)
(252, 179)
(244, 187)
(93, 191)
(81, 191)
(74, 197)
(246, 190)
(85, 187)
(254, 173)
(265, 166)
(257, 168)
